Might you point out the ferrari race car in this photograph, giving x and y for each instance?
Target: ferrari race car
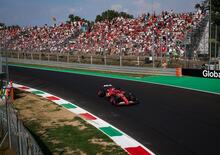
(117, 96)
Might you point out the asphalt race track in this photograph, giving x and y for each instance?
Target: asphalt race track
(169, 121)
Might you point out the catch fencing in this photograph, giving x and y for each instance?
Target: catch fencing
(21, 141)
(110, 60)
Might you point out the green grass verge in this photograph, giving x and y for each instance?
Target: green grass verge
(63, 135)
(59, 139)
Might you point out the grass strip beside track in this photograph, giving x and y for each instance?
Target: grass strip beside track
(193, 83)
(59, 131)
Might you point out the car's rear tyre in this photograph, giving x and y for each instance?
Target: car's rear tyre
(101, 93)
(113, 100)
(132, 97)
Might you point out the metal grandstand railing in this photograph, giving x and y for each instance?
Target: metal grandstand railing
(195, 35)
(203, 47)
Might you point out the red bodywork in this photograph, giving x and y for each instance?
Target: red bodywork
(115, 92)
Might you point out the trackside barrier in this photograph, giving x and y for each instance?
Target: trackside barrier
(11, 126)
(93, 67)
(22, 142)
(179, 72)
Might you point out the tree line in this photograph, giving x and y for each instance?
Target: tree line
(111, 14)
(215, 9)
(106, 15)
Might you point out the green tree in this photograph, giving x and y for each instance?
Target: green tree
(215, 22)
(13, 27)
(111, 14)
(73, 18)
(215, 11)
(99, 18)
(197, 6)
(2, 26)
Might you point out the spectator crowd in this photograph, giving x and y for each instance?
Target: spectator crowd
(163, 34)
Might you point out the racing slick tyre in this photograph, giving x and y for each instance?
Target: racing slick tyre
(113, 100)
(132, 97)
(101, 93)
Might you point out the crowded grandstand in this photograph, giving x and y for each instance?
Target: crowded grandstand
(165, 33)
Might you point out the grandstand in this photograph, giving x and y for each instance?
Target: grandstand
(203, 44)
(169, 29)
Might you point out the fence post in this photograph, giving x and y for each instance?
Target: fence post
(138, 61)
(9, 54)
(40, 56)
(18, 55)
(185, 55)
(32, 56)
(120, 60)
(216, 37)
(19, 134)
(91, 59)
(57, 57)
(29, 147)
(1, 124)
(105, 59)
(153, 51)
(1, 66)
(8, 122)
(68, 57)
(161, 54)
(11, 91)
(219, 64)
(78, 59)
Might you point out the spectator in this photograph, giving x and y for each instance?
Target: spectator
(164, 32)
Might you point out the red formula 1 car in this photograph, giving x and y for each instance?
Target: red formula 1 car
(117, 96)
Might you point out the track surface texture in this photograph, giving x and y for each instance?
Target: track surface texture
(169, 121)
